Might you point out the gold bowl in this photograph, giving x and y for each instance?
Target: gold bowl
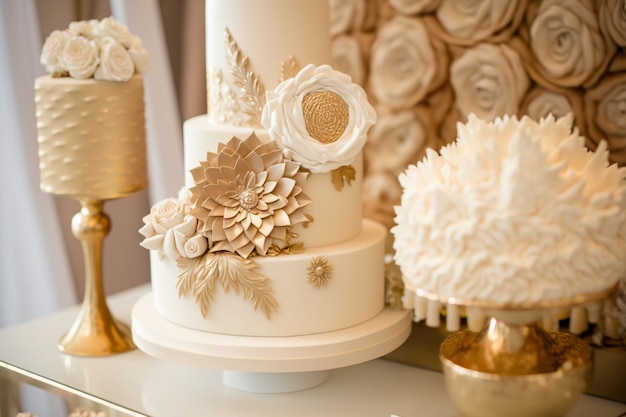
(514, 390)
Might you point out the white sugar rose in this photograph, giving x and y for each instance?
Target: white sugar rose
(114, 29)
(319, 118)
(566, 41)
(52, 50)
(165, 217)
(403, 63)
(104, 50)
(80, 57)
(139, 55)
(86, 28)
(195, 246)
(115, 62)
(476, 20)
(489, 81)
(183, 240)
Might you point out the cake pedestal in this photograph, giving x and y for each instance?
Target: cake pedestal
(513, 366)
(269, 364)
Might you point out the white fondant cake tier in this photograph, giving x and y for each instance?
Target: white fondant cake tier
(341, 209)
(268, 33)
(354, 293)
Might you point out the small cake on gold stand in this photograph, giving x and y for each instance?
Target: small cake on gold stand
(91, 134)
(516, 218)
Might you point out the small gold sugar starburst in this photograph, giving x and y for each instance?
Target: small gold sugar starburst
(319, 271)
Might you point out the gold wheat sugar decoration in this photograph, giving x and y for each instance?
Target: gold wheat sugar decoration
(326, 115)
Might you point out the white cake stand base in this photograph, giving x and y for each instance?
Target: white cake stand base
(269, 364)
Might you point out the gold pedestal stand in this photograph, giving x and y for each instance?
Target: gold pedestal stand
(95, 332)
(513, 367)
(92, 147)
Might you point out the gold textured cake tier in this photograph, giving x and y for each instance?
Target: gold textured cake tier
(91, 136)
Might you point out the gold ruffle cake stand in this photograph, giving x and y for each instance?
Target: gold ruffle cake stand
(269, 364)
(513, 367)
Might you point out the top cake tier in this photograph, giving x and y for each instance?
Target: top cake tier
(249, 52)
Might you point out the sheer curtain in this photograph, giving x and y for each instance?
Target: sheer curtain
(35, 276)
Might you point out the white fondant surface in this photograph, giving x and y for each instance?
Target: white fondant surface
(368, 340)
(268, 33)
(336, 214)
(354, 294)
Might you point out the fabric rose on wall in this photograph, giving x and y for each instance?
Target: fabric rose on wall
(541, 102)
(566, 43)
(411, 7)
(467, 23)
(381, 192)
(605, 107)
(348, 58)
(612, 18)
(489, 81)
(394, 142)
(406, 63)
(347, 15)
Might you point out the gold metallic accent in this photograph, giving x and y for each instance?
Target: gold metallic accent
(319, 272)
(199, 277)
(95, 332)
(342, 175)
(513, 366)
(91, 137)
(289, 68)
(326, 115)
(92, 147)
(250, 86)
(513, 390)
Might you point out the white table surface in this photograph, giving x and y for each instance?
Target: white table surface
(148, 386)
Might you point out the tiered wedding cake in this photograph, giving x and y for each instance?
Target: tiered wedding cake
(267, 238)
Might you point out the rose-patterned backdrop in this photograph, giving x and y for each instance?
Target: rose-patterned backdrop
(427, 64)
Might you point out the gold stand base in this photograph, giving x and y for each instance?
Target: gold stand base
(95, 332)
(99, 337)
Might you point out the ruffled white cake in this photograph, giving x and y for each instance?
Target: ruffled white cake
(267, 238)
(514, 212)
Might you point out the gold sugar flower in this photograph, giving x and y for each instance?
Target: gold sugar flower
(320, 272)
(247, 195)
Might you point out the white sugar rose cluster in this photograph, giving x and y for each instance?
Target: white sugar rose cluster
(103, 50)
(170, 229)
(516, 212)
(319, 118)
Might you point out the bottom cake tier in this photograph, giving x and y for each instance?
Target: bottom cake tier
(321, 290)
(269, 364)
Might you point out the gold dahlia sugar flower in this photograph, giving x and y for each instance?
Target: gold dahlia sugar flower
(247, 195)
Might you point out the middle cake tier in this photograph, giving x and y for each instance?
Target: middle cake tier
(336, 213)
